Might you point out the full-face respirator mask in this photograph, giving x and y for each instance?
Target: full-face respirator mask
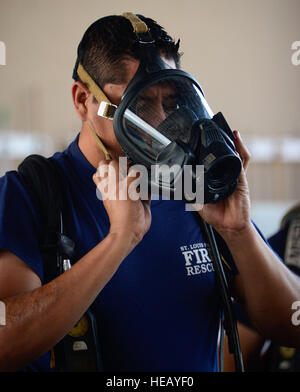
(163, 120)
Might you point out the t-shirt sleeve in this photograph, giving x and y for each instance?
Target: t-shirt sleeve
(277, 241)
(19, 223)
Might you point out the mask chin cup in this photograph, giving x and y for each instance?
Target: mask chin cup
(170, 163)
(172, 154)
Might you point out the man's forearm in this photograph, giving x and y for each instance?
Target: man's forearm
(37, 320)
(265, 285)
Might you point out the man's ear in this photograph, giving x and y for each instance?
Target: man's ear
(80, 95)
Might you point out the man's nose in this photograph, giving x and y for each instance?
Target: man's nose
(159, 115)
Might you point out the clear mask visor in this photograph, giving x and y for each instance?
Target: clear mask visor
(164, 112)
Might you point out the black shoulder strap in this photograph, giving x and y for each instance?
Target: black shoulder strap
(42, 181)
(42, 178)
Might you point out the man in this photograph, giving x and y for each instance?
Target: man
(130, 262)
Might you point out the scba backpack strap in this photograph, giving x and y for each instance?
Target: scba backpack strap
(40, 179)
(79, 350)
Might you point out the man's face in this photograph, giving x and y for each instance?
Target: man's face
(160, 99)
(161, 96)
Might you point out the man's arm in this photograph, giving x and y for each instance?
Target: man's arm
(264, 285)
(37, 317)
(16, 277)
(251, 345)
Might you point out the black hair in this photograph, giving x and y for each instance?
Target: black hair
(111, 40)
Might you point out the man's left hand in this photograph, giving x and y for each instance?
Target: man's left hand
(232, 215)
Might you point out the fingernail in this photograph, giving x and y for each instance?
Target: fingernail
(237, 135)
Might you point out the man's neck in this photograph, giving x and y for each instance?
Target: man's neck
(89, 147)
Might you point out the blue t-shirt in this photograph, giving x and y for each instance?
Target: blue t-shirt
(160, 311)
(278, 241)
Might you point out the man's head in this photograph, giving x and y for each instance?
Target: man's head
(109, 51)
(110, 41)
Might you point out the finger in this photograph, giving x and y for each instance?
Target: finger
(138, 185)
(96, 178)
(197, 207)
(147, 204)
(242, 150)
(106, 167)
(100, 173)
(106, 180)
(112, 178)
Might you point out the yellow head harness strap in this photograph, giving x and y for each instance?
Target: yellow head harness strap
(91, 85)
(100, 143)
(101, 97)
(106, 108)
(138, 25)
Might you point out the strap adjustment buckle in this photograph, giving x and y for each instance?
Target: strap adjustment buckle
(107, 110)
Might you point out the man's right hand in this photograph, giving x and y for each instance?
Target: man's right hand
(128, 217)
